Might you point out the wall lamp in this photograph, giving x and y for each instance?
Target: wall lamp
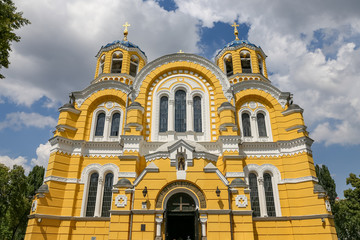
(218, 192)
(144, 192)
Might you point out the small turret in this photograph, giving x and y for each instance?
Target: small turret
(241, 60)
(120, 60)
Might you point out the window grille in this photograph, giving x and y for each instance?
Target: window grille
(269, 195)
(163, 124)
(254, 195)
(106, 204)
(99, 131)
(91, 202)
(261, 124)
(180, 111)
(197, 114)
(115, 125)
(245, 62)
(246, 124)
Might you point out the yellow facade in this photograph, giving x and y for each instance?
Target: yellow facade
(181, 148)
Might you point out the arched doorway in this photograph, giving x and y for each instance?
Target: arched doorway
(181, 218)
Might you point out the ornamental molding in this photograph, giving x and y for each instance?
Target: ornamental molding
(127, 175)
(81, 96)
(281, 97)
(183, 57)
(211, 168)
(241, 201)
(150, 168)
(219, 54)
(120, 201)
(299, 180)
(84, 148)
(119, 45)
(34, 205)
(235, 174)
(101, 169)
(69, 109)
(61, 179)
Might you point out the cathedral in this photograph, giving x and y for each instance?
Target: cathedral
(181, 148)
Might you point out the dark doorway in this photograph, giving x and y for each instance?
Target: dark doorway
(181, 218)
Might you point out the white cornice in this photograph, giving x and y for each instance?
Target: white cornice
(183, 57)
(281, 97)
(81, 96)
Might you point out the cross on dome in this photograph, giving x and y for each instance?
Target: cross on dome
(235, 30)
(126, 25)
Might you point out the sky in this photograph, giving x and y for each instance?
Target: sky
(312, 48)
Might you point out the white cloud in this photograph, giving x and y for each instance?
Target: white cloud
(43, 154)
(17, 120)
(42, 159)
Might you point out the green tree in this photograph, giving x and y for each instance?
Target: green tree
(10, 20)
(35, 179)
(327, 182)
(347, 218)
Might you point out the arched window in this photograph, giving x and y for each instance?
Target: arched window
(261, 124)
(246, 124)
(269, 195)
(91, 201)
(116, 65)
(106, 203)
(180, 111)
(197, 114)
(254, 195)
(228, 65)
(245, 61)
(163, 124)
(99, 131)
(260, 65)
(102, 61)
(115, 125)
(134, 63)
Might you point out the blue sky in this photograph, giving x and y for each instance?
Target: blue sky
(312, 52)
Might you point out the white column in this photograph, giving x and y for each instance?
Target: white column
(107, 127)
(203, 228)
(97, 212)
(189, 116)
(171, 115)
(262, 199)
(158, 228)
(253, 126)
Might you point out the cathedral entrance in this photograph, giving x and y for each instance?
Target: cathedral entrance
(181, 218)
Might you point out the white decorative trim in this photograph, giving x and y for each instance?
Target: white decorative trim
(150, 168)
(241, 201)
(63, 127)
(183, 57)
(120, 201)
(234, 48)
(234, 174)
(327, 205)
(211, 168)
(127, 175)
(82, 96)
(299, 180)
(34, 205)
(281, 97)
(61, 179)
(119, 45)
(69, 109)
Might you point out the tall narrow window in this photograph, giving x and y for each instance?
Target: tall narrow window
(245, 61)
(197, 114)
(163, 124)
(91, 201)
(102, 62)
(261, 124)
(106, 203)
(254, 195)
(228, 65)
(180, 111)
(246, 124)
(115, 125)
(269, 195)
(100, 122)
(116, 65)
(134, 63)
(260, 65)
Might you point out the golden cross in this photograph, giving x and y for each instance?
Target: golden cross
(181, 51)
(235, 30)
(126, 25)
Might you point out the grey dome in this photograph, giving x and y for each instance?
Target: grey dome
(43, 189)
(318, 189)
(226, 104)
(238, 182)
(123, 183)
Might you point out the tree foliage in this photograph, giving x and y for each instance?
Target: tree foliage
(10, 20)
(327, 182)
(347, 218)
(16, 192)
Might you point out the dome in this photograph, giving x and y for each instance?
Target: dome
(123, 183)
(238, 182)
(236, 43)
(127, 44)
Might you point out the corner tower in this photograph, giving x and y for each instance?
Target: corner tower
(241, 60)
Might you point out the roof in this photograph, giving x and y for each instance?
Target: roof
(124, 43)
(236, 43)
